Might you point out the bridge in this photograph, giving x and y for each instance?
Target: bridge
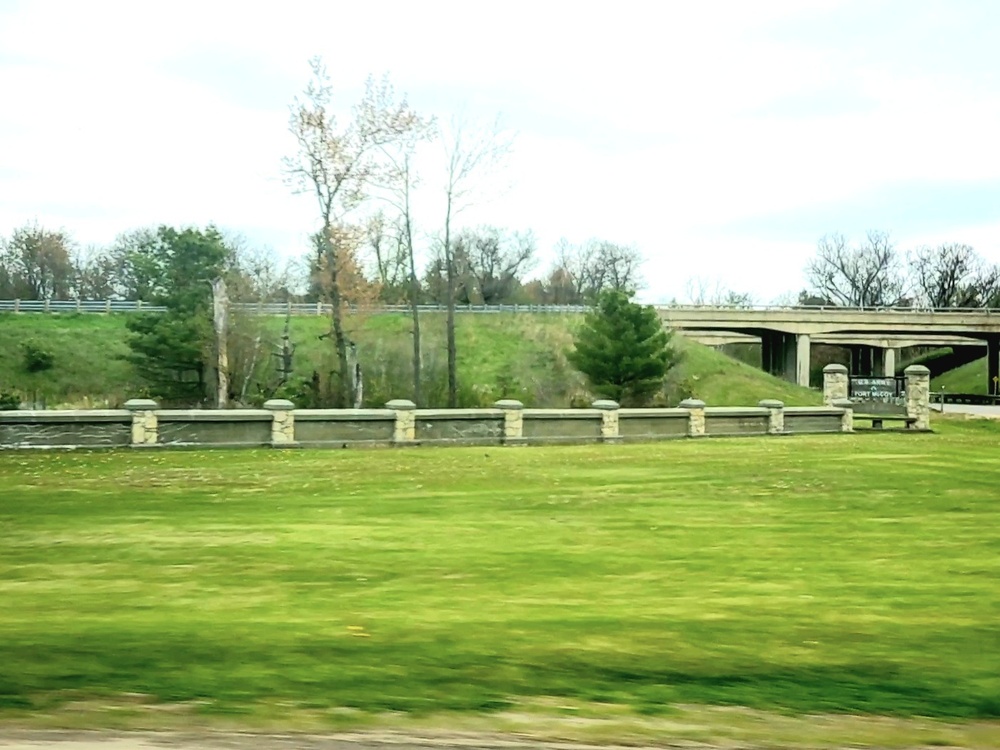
(872, 334)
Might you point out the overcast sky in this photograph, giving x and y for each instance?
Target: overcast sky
(722, 138)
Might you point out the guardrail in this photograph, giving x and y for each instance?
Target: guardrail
(977, 399)
(263, 308)
(320, 308)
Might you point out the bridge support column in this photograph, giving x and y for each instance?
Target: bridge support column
(803, 357)
(786, 355)
(863, 360)
(777, 353)
(993, 365)
(889, 362)
(878, 361)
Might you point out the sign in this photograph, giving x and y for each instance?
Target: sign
(874, 389)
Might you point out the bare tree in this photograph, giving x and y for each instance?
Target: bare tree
(38, 263)
(582, 272)
(491, 263)
(617, 267)
(338, 165)
(467, 155)
(868, 274)
(702, 291)
(953, 275)
(387, 247)
(397, 192)
(259, 275)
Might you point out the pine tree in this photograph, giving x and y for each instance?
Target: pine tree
(172, 350)
(623, 349)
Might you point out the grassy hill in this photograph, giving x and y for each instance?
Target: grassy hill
(499, 356)
(969, 378)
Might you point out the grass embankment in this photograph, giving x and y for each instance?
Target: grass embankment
(816, 574)
(499, 356)
(969, 378)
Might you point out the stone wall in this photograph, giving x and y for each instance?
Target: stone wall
(142, 425)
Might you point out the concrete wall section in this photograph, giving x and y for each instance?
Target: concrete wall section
(652, 424)
(340, 427)
(721, 420)
(466, 426)
(808, 419)
(562, 425)
(51, 429)
(223, 427)
(142, 425)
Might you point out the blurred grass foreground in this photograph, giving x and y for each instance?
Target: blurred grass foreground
(825, 574)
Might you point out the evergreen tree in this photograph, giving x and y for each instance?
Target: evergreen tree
(172, 350)
(623, 349)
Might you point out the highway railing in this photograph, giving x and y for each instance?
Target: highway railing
(320, 308)
(263, 308)
(77, 306)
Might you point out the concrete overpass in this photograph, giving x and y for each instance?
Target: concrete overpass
(873, 334)
(874, 355)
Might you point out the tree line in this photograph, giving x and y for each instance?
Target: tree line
(361, 172)
(874, 272)
(493, 266)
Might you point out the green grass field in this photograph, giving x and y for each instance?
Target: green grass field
(822, 574)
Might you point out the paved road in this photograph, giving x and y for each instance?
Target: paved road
(992, 412)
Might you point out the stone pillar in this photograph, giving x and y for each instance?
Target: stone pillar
(918, 396)
(144, 423)
(696, 418)
(847, 420)
(609, 420)
(282, 422)
(835, 382)
(802, 359)
(776, 415)
(405, 430)
(513, 421)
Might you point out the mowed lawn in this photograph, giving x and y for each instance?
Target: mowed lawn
(807, 574)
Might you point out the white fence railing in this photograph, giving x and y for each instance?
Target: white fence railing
(321, 308)
(262, 308)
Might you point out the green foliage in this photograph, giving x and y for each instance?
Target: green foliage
(35, 359)
(467, 578)
(171, 350)
(623, 349)
(9, 401)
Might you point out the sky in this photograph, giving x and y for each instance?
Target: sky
(723, 139)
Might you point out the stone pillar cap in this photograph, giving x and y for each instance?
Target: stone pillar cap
(279, 404)
(692, 403)
(141, 404)
(771, 403)
(508, 403)
(843, 403)
(917, 370)
(834, 367)
(400, 404)
(606, 404)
